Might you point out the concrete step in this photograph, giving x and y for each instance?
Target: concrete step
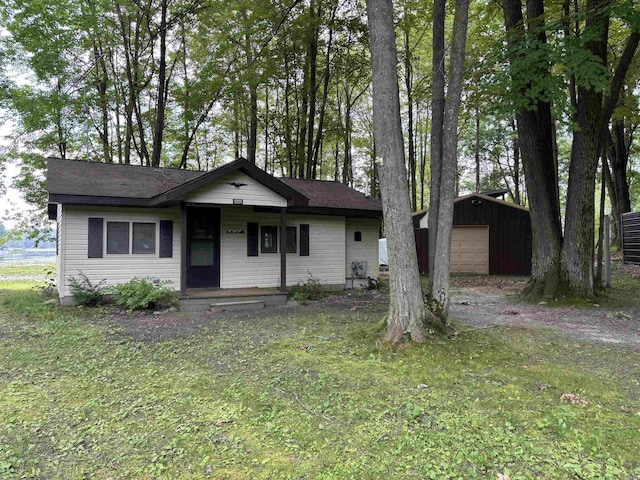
(237, 305)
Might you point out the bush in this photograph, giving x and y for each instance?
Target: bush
(86, 293)
(142, 293)
(312, 289)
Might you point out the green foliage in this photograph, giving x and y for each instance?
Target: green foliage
(142, 293)
(86, 293)
(312, 289)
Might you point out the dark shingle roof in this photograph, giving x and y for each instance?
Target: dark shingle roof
(76, 177)
(332, 194)
(90, 183)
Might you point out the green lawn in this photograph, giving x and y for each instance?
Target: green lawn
(303, 393)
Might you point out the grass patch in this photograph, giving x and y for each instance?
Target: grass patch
(305, 393)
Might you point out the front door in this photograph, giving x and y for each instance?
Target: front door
(203, 247)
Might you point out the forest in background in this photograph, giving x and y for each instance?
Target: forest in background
(197, 83)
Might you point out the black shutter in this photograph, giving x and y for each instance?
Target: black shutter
(95, 237)
(304, 240)
(252, 239)
(166, 239)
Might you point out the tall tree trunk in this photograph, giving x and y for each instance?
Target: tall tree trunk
(516, 166)
(101, 80)
(476, 150)
(407, 311)
(325, 97)
(577, 254)
(158, 131)
(408, 79)
(449, 170)
(437, 122)
(535, 139)
(312, 46)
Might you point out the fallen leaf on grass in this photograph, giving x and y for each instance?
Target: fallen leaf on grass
(502, 476)
(222, 423)
(510, 311)
(304, 347)
(573, 398)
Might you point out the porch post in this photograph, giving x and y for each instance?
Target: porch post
(283, 249)
(183, 250)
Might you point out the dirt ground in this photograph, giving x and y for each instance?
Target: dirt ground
(478, 305)
(477, 302)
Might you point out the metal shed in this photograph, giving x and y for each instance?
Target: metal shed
(490, 236)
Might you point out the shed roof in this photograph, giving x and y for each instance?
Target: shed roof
(480, 196)
(92, 183)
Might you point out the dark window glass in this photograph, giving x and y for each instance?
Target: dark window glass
(292, 240)
(144, 238)
(269, 240)
(118, 237)
(357, 237)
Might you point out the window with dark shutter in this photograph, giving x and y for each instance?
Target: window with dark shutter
(95, 238)
(304, 240)
(252, 239)
(117, 238)
(166, 239)
(144, 238)
(269, 239)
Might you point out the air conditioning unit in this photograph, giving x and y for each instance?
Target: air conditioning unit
(359, 269)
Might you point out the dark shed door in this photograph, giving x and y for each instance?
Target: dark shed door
(203, 247)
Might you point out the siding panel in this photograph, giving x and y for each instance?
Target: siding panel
(364, 250)
(325, 260)
(115, 268)
(252, 193)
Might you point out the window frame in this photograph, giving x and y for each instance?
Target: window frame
(130, 238)
(268, 230)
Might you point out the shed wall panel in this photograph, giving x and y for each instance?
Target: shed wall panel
(631, 237)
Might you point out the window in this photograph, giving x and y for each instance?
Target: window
(357, 237)
(123, 238)
(131, 237)
(144, 238)
(292, 240)
(117, 237)
(269, 240)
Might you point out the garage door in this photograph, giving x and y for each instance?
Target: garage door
(470, 249)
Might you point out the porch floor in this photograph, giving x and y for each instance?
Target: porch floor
(202, 299)
(231, 292)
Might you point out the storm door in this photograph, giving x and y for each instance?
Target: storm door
(203, 247)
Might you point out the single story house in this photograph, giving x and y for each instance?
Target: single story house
(235, 227)
(490, 236)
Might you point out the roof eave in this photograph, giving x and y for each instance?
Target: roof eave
(180, 192)
(341, 212)
(98, 201)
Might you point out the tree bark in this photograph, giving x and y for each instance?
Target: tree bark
(437, 119)
(577, 254)
(407, 311)
(449, 170)
(535, 139)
